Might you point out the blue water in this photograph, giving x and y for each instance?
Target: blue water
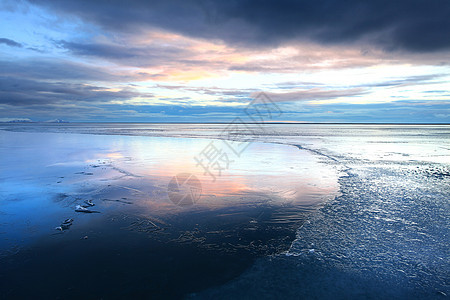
(385, 235)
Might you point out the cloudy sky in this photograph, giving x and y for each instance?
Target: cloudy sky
(204, 60)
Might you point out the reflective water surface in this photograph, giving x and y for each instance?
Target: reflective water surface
(306, 211)
(136, 235)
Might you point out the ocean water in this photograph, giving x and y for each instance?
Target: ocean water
(304, 212)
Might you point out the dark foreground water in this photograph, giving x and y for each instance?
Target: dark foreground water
(305, 212)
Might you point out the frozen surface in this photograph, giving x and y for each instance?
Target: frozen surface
(385, 235)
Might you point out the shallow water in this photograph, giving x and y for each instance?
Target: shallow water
(139, 237)
(380, 230)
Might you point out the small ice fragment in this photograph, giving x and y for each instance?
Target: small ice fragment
(311, 250)
(80, 208)
(65, 225)
(89, 202)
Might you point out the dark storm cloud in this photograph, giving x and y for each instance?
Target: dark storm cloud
(25, 92)
(38, 68)
(414, 25)
(147, 55)
(93, 49)
(10, 43)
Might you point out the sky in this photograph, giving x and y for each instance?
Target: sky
(206, 60)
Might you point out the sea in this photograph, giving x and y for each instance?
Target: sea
(224, 211)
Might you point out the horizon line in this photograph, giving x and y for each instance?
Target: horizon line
(225, 123)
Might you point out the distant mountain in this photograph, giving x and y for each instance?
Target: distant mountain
(56, 121)
(11, 120)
